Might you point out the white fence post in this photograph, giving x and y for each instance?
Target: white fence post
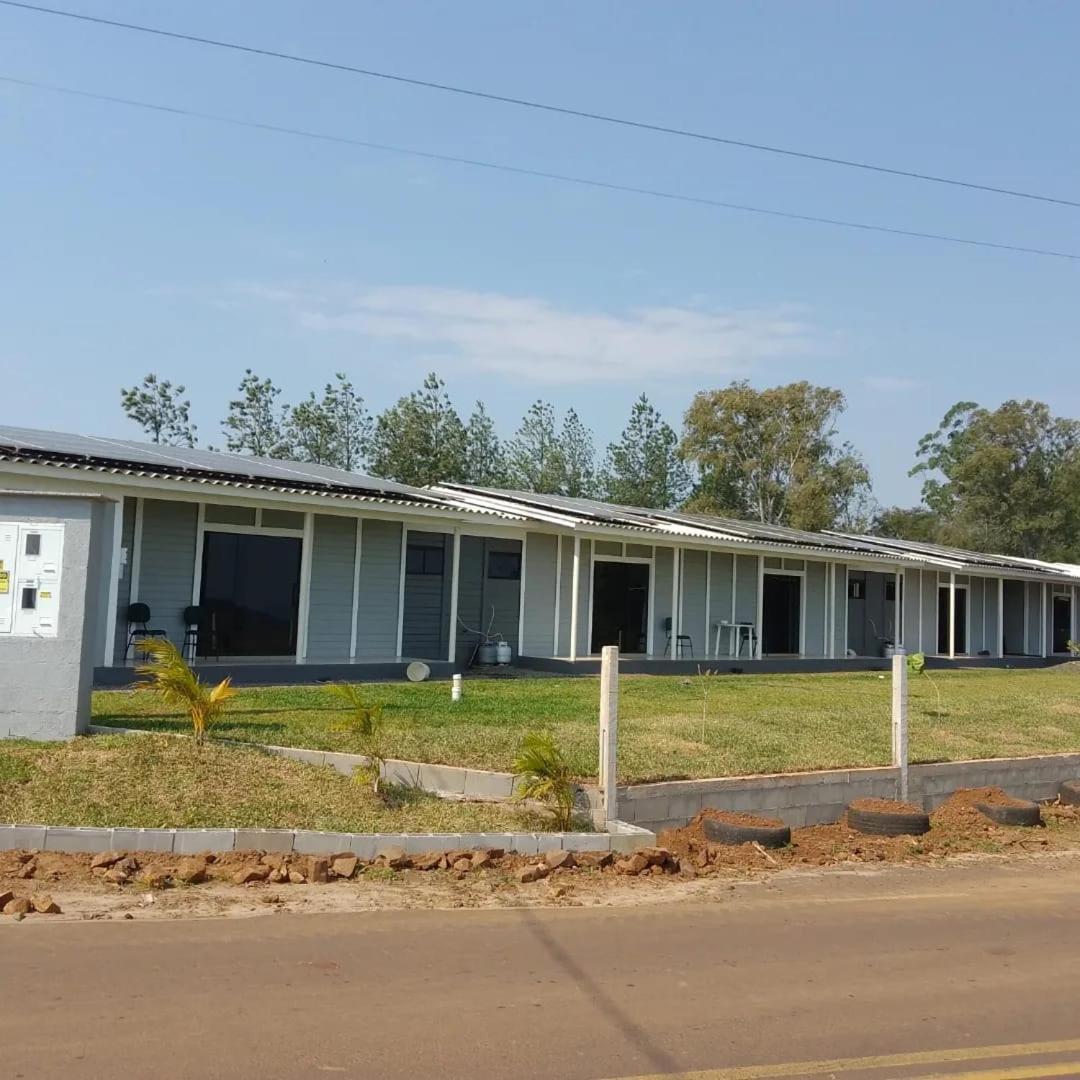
(609, 728)
(900, 719)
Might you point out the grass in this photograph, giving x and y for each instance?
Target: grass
(155, 781)
(754, 723)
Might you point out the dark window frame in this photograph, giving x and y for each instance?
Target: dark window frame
(36, 538)
(425, 560)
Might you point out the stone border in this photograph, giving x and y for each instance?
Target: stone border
(621, 838)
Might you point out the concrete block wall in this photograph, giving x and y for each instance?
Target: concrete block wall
(816, 798)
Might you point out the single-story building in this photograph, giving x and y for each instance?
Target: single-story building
(287, 571)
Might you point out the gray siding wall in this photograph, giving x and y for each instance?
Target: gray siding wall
(585, 598)
(167, 572)
(816, 637)
(721, 598)
(1014, 618)
(929, 616)
(839, 617)
(380, 569)
(661, 598)
(566, 601)
(487, 605)
(426, 625)
(1034, 590)
(911, 610)
(330, 612)
(746, 589)
(123, 594)
(541, 556)
(693, 600)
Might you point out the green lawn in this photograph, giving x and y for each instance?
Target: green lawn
(752, 723)
(160, 782)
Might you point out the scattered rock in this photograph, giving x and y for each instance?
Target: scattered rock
(344, 866)
(28, 870)
(19, 906)
(656, 856)
(461, 865)
(105, 859)
(632, 865)
(277, 876)
(273, 860)
(128, 915)
(595, 859)
(532, 873)
(116, 876)
(246, 875)
(44, 904)
(154, 879)
(317, 869)
(560, 860)
(296, 878)
(394, 857)
(25, 856)
(191, 871)
(6, 898)
(129, 864)
(482, 860)
(431, 861)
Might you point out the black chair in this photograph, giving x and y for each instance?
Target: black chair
(682, 642)
(138, 621)
(199, 634)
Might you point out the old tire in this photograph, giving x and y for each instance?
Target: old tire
(1027, 813)
(882, 823)
(725, 832)
(1070, 792)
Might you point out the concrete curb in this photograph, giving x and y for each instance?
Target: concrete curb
(621, 837)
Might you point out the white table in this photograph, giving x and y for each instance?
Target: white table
(735, 637)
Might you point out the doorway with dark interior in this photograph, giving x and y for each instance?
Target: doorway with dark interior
(960, 621)
(250, 594)
(781, 614)
(1062, 623)
(620, 606)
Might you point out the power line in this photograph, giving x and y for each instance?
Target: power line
(656, 193)
(506, 99)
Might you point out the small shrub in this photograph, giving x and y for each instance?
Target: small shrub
(365, 724)
(1073, 647)
(166, 671)
(916, 663)
(545, 775)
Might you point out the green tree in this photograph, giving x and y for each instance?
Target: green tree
(578, 458)
(484, 462)
(421, 439)
(999, 479)
(160, 409)
(534, 454)
(334, 430)
(774, 455)
(917, 523)
(643, 468)
(254, 424)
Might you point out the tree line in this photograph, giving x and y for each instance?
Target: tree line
(1003, 480)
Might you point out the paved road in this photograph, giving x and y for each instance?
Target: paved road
(889, 972)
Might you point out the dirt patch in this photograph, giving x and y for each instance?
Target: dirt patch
(732, 818)
(885, 806)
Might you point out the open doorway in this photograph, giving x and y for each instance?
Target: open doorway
(1062, 623)
(620, 613)
(781, 615)
(960, 621)
(250, 594)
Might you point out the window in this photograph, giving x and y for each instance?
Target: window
(772, 563)
(505, 565)
(33, 543)
(29, 599)
(606, 547)
(890, 590)
(424, 559)
(282, 519)
(855, 590)
(229, 515)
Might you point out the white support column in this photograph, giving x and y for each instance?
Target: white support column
(358, 547)
(112, 597)
(521, 596)
(919, 636)
(304, 607)
(734, 582)
(831, 583)
(575, 594)
(609, 726)
(675, 601)
(952, 614)
(136, 552)
(708, 599)
(825, 611)
(558, 596)
(455, 575)
(200, 541)
(650, 629)
(1072, 612)
(898, 609)
(1044, 591)
(401, 590)
(847, 579)
(760, 613)
(1027, 617)
(999, 652)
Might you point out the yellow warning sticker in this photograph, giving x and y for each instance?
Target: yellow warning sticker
(45, 595)
(5, 580)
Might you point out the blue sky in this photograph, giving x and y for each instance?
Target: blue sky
(138, 242)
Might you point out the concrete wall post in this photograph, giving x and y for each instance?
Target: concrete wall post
(900, 719)
(609, 724)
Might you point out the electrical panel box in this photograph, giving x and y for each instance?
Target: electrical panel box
(31, 557)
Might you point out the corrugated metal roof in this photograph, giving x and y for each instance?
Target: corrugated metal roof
(125, 457)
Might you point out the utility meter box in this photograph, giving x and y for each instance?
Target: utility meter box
(55, 575)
